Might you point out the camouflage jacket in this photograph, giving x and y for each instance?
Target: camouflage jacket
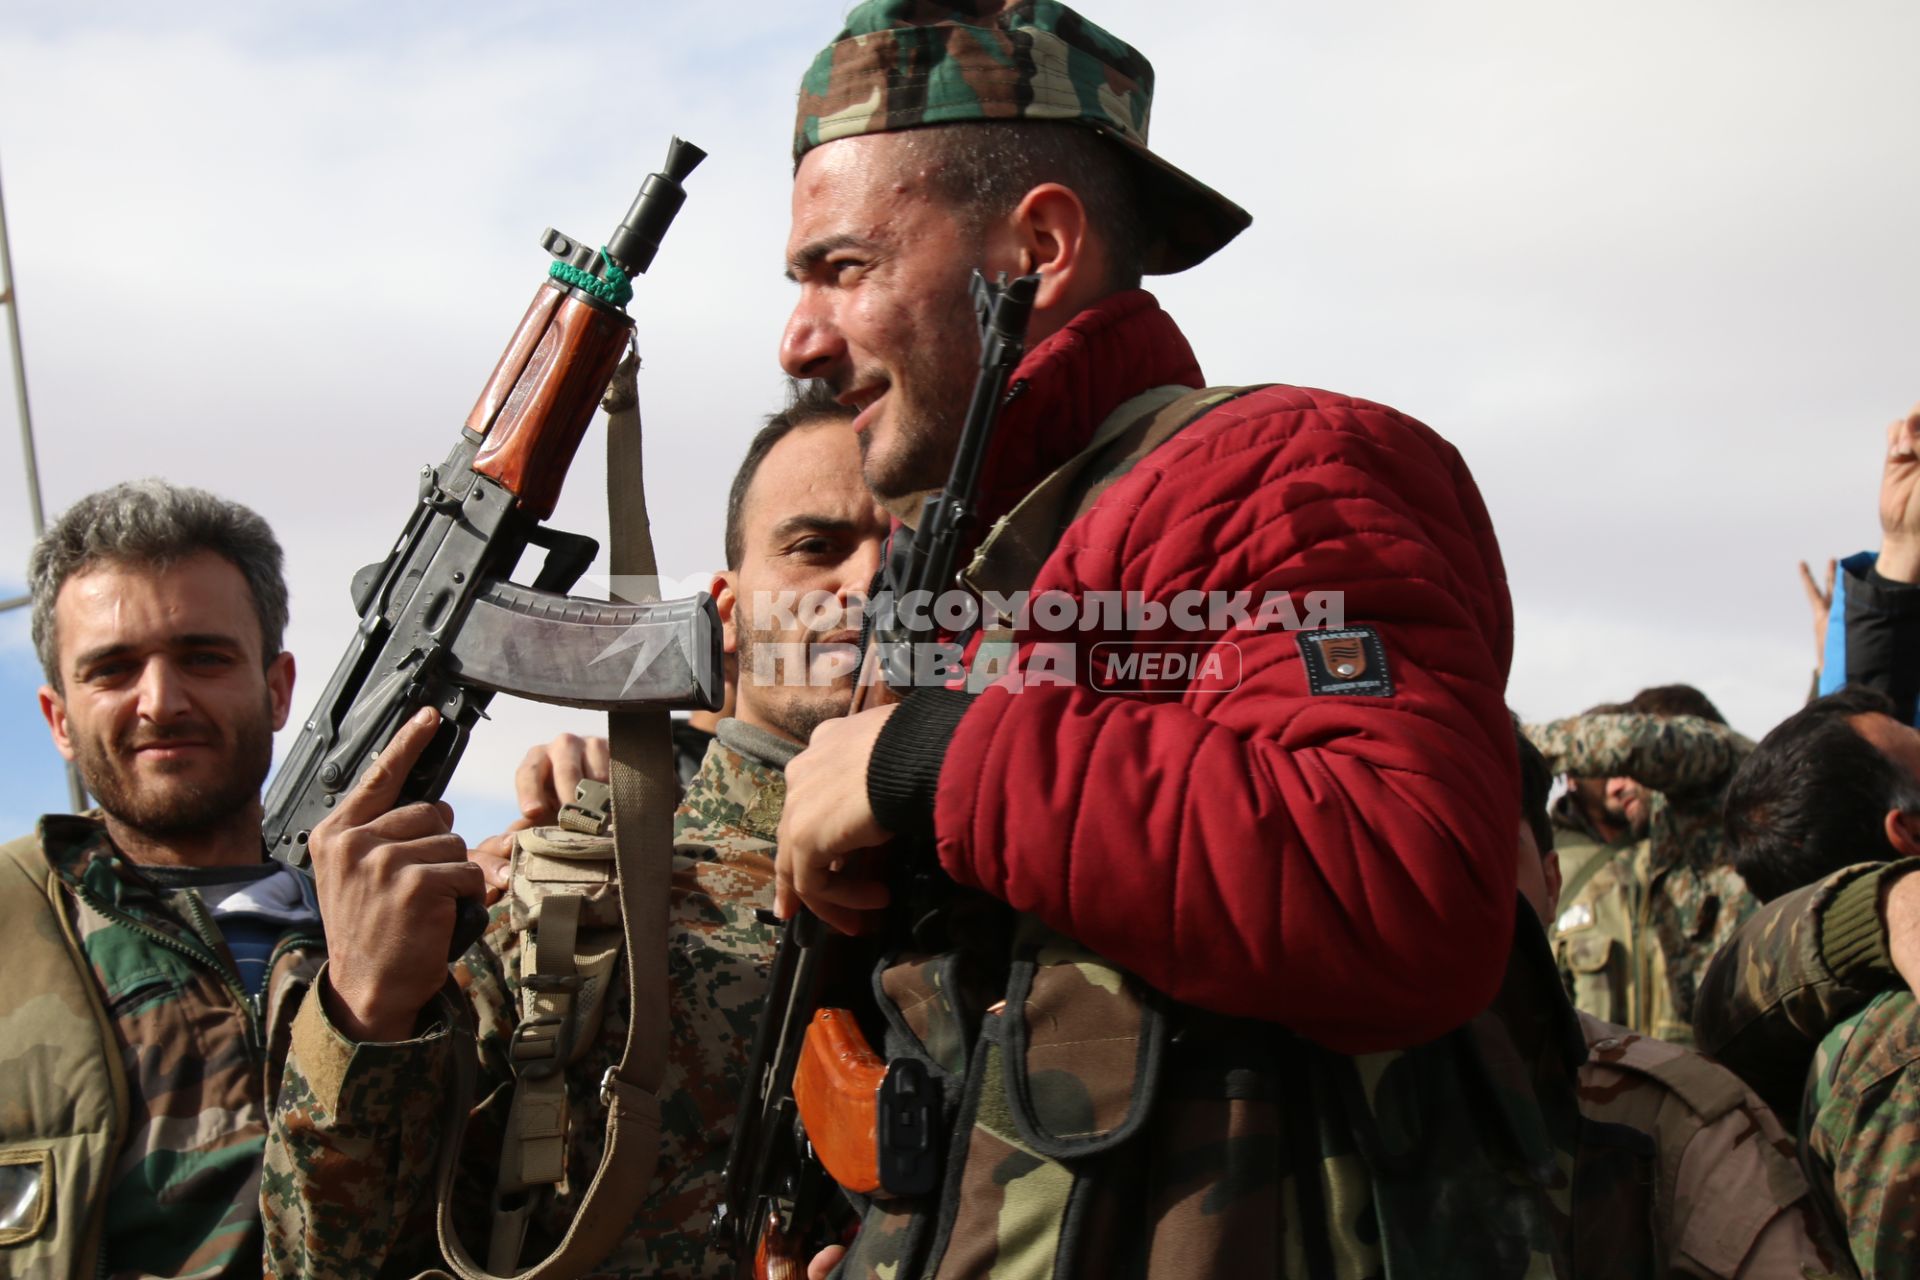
(1632, 942)
(350, 1191)
(1727, 1197)
(192, 1061)
(1805, 962)
(1861, 1127)
(1805, 1003)
(1594, 926)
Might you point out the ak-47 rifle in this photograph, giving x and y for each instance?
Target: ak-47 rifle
(819, 1103)
(441, 624)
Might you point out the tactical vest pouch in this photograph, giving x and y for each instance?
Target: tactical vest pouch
(564, 899)
(1084, 1046)
(1597, 976)
(930, 1008)
(26, 1193)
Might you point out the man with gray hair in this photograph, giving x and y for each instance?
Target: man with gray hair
(155, 954)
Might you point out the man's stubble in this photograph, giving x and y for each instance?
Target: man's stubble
(163, 812)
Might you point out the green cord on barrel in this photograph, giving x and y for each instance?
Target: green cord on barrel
(613, 288)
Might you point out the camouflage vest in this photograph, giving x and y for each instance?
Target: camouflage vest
(1595, 939)
(63, 1093)
(1094, 1128)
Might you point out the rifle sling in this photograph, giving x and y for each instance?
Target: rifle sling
(1010, 556)
(643, 804)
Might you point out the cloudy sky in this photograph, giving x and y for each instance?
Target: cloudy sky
(1651, 266)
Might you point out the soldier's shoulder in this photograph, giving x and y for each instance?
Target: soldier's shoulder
(1873, 1047)
(1621, 1062)
(732, 805)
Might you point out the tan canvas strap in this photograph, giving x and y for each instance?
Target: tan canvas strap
(1010, 556)
(1592, 867)
(643, 789)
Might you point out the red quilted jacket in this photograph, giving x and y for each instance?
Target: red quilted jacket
(1341, 865)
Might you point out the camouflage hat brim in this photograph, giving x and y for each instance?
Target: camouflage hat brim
(906, 64)
(1191, 219)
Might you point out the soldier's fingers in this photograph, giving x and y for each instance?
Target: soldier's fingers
(569, 756)
(825, 1261)
(1815, 596)
(599, 760)
(427, 851)
(493, 856)
(408, 822)
(818, 884)
(533, 783)
(784, 899)
(845, 891)
(460, 879)
(379, 786)
(840, 919)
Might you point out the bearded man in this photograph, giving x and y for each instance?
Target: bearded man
(154, 953)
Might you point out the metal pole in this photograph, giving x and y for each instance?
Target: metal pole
(76, 790)
(20, 374)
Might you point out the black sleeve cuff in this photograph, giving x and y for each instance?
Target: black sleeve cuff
(904, 774)
(1887, 595)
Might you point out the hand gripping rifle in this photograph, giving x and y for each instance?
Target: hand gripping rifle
(441, 624)
(819, 1102)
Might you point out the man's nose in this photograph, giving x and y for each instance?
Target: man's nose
(163, 693)
(810, 346)
(861, 567)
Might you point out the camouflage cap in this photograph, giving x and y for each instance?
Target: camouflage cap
(902, 64)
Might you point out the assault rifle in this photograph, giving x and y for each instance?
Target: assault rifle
(441, 624)
(819, 1102)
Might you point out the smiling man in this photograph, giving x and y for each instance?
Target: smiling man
(154, 954)
(1178, 915)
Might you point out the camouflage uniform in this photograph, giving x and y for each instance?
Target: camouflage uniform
(1595, 918)
(1805, 1003)
(1727, 1197)
(349, 1189)
(1632, 941)
(1861, 1127)
(195, 1060)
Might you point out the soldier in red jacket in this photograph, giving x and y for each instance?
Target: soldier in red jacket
(1304, 857)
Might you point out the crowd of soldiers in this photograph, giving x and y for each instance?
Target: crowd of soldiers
(1303, 973)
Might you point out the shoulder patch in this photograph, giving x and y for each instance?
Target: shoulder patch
(1349, 663)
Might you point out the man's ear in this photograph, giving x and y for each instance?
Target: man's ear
(1903, 833)
(1048, 233)
(280, 688)
(54, 708)
(724, 604)
(1550, 866)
